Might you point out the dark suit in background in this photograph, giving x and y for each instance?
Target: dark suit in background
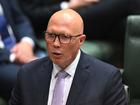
(21, 28)
(18, 21)
(95, 83)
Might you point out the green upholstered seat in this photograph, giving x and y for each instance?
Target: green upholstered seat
(131, 73)
(100, 49)
(2, 101)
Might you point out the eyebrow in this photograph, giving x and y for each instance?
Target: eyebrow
(64, 34)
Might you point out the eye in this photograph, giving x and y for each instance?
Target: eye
(64, 37)
(51, 35)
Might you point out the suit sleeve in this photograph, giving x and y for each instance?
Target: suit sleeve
(115, 93)
(22, 25)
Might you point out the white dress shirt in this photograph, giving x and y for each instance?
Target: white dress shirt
(68, 80)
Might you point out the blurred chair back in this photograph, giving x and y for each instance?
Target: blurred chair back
(131, 73)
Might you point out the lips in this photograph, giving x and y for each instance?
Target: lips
(57, 54)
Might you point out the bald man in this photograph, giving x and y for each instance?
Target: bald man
(88, 81)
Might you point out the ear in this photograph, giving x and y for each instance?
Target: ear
(82, 39)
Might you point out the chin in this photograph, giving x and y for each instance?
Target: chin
(57, 61)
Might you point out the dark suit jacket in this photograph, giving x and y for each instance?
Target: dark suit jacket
(95, 83)
(17, 19)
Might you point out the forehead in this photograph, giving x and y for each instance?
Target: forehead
(61, 20)
(61, 26)
(65, 22)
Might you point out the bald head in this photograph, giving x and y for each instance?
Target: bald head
(68, 17)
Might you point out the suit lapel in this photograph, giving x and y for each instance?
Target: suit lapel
(44, 83)
(79, 81)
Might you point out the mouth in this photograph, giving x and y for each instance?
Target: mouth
(56, 54)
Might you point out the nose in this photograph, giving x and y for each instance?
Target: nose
(57, 42)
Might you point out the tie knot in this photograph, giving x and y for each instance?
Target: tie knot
(62, 74)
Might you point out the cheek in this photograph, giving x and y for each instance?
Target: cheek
(71, 51)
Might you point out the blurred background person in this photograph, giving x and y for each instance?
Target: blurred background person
(17, 44)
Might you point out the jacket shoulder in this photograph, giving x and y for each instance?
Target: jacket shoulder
(36, 65)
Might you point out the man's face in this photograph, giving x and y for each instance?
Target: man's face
(63, 54)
